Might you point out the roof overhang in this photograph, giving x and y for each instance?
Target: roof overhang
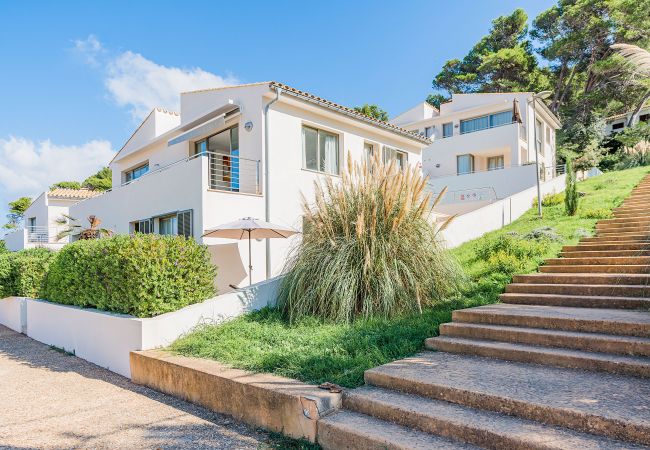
(212, 121)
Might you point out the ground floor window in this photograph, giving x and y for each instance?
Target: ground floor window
(143, 226)
(495, 162)
(464, 164)
(167, 225)
(393, 154)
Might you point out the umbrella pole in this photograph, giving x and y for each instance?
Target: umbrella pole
(250, 262)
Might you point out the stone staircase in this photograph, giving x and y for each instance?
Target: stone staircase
(562, 363)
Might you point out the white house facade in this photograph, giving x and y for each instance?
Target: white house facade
(484, 146)
(619, 122)
(234, 152)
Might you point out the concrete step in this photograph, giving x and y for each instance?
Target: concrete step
(602, 268)
(347, 430)
(581, 289)
(595, 402)
(576, 301)
(622, 234)
(640, 220)
(607, 247)
(586, 253)
(636, 260)
(586, 342)
(585, 279)
(588, 320)
(615, 240)
(482, 428)
(573, 359)
(623, 227)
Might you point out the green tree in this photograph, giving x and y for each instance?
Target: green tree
(373, 111)
(17, 210)
(571, 192)
(502, 61)
(436, 99)
(101, 181)
(66, 185)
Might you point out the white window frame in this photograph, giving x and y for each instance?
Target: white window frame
(496, 167)
(400, 156)
(472, 164)
(318, 150)
(126, 173)
(451, 126)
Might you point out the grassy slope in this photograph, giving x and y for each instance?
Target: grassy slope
(315, 352)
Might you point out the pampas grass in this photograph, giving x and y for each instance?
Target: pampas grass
(369, 248)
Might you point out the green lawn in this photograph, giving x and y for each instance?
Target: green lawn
(315, 351)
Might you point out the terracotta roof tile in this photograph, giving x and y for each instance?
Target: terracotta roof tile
(73, 193)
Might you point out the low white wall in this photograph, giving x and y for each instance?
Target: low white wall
(496, 215)
(15, 240)
(106, 339)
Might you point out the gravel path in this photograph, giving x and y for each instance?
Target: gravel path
(49, 399)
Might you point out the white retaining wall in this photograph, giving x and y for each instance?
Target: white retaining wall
(106, 339)
(496, 215)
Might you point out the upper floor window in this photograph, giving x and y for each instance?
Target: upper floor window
(400, 157)
(136, 172)
(320, 150)
(447, 129)
(644, 118)
(538, 135)
(495, 162)
(618, 126)
(485, 122)
(428, 131)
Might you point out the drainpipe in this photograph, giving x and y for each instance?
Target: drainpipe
(267, 200)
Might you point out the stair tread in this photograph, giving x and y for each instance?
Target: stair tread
(640, 279)
(564, 312)
(484, 422)
(563, 333)
(599, 297)
(597, 394)
(383, 434)
(549, 351)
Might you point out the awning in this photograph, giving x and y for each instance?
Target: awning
(212, 121)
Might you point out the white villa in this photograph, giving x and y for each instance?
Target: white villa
(614, 124)
(482, 147)
(233, 152)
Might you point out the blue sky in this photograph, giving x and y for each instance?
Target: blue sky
(76, 77)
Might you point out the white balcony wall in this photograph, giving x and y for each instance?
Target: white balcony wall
(16, 240)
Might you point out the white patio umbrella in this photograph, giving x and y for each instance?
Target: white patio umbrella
(250, 228)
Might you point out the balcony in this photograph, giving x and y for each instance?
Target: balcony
(35, 236)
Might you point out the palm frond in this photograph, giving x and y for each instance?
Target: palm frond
(636, 56)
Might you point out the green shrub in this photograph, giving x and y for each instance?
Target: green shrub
(368, 249)
(510, 244)
(3, 247)
(571, 191)
(596, 213)
(550, 199)
(543, 234)
(143, 275)
(23, 273)
(505, 263)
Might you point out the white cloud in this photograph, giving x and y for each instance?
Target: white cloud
(27, 168)
(140, 84)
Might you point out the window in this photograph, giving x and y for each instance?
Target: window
(184, 223)
(223, 158)
(136, 173)
(644, 118)
(368, 151)
(320, 151)
(400, 157)
(31, 224)
(495, 162)
(167, 225)
(484, 122)
(143, 226)
(447, 129)
(618, 126)
(548, 135)
(464, 164)
(428, 131)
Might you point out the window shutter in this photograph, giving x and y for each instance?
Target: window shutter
(184, 223)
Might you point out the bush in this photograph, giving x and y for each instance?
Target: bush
(143, 275)
(510, 244)
(550, 199)
(505, 263)
(23, 273)
(571, 191)
(368, 249)
(596, 213)
(543, 234)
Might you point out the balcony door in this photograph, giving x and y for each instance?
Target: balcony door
(223, 152)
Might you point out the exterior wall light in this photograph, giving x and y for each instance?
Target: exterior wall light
(248, 126)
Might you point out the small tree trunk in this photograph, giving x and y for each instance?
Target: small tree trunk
(639, 105)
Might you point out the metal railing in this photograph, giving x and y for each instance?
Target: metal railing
(495, 169)
(227, 172)
(42, 234)
(560, 169)
(464, 195)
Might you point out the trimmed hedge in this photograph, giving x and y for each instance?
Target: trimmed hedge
(23, 273)
(143, 275)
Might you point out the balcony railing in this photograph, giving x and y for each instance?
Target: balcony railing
(43, 234)
(227, 172)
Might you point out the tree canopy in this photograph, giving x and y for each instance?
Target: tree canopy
(17, 210)
(66, 185)
(101, 181)
(373, 111)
